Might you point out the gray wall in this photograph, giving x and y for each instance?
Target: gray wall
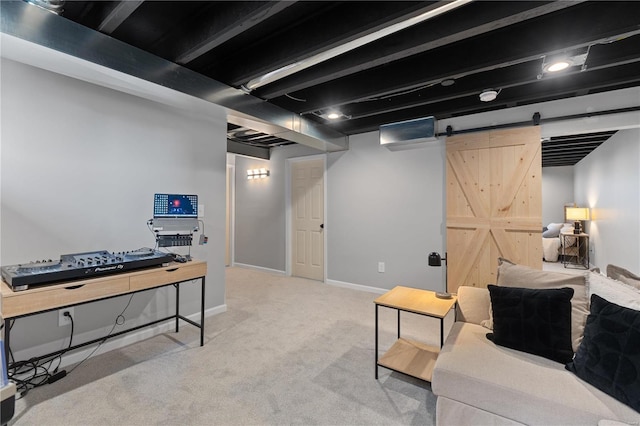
(385, 206)
(557, 190)
(260, 206)
(382, 206)
(608, 181)
(80, 164)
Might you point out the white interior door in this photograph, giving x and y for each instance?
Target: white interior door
(307, 202)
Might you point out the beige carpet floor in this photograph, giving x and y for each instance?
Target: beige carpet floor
(287, 351)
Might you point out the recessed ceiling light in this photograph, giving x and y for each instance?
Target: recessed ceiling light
(561, 62)
(558, 65)
(332, 115)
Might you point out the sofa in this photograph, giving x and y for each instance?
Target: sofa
(479, 382)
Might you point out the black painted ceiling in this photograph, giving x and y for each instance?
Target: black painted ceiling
(438, 67)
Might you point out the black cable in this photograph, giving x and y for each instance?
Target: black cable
(40, 371)
(66, 314)
(104, 339)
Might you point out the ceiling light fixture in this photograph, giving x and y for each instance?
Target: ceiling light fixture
(331, 115)
(295, 67)
(558, 66)
(556, 63)
(488, 95)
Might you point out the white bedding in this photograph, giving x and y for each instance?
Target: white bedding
(550, 249)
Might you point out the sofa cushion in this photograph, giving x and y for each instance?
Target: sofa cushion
(473, 304)
(532, 320)
(609, 356)
(512, 275)
(616, 272)
(614, 291)
(517, 385)
(631, 281)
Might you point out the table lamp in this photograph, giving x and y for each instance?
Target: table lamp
(577, 214)
(436, 260)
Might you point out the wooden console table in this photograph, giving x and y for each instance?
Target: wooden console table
(17, 304)
(407, 356)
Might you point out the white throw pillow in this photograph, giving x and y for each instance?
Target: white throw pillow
(614, 291)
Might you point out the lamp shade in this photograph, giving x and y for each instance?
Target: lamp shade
(578, 213)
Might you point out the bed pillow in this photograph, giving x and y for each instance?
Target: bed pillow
(553, 230)
(512, 275)
(533, 321)
(608, 357)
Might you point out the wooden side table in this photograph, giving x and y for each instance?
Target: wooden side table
(578, 251)
(407, 356)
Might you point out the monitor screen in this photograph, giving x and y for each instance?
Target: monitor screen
(175, 206)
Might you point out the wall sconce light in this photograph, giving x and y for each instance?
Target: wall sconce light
(577, 214)
(436, 260)
(257, 173)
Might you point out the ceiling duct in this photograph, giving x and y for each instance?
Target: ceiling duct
(408, 132)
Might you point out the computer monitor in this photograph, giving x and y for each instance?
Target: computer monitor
(175, 206)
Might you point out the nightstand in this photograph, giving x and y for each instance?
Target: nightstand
(575, 250)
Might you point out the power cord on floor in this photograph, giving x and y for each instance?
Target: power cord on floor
(33, 373)
(120, 319)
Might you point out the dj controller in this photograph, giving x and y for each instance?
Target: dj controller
(80, 266)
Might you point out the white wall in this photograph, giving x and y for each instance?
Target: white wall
(557, 190)
(608, 181)
(385, 206)
(80, 165)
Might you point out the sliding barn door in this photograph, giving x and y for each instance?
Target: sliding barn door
(494, 204)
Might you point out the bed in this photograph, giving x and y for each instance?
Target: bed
(551, 241)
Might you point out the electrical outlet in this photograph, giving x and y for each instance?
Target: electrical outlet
(62, 319)
(200, 210)
(380, 266)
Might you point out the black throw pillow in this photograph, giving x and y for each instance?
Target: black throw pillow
(609, 355)
(533, 321)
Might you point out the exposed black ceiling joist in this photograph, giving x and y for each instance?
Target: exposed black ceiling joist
(117, 15)
(479, 45)
(422, 38)
(240, 17)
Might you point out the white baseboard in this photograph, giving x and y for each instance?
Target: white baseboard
(259, 268)
(357, 286)
(114, 343)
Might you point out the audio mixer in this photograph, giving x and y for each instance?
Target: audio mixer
(80, 266)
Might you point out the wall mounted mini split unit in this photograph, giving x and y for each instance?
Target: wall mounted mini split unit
(408, 132)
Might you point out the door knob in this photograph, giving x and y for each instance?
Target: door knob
(322, 226)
